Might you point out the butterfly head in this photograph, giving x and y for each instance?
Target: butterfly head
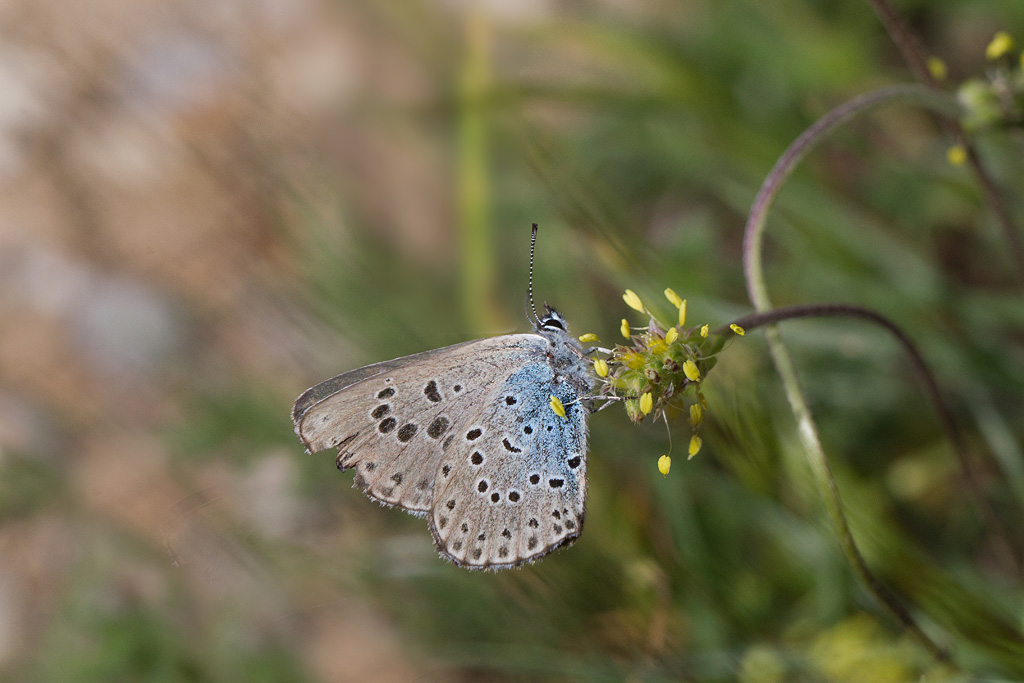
(551, 321)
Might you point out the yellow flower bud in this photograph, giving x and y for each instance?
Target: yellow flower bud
(601, 367)
(588, 337)
(664, 464)
(633, 301)
(671, 335)
(704, 331)
(937, 68)
(691, 371)
(673, 298)
(1000, 45)
(956, 155)
(737, 329)
(696, 414)
(624, 328)
(695, 444)
(646, 403)
(557, 406)
(682, 313)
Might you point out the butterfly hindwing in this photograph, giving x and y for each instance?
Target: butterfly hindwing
(511, 486)
(390, 421)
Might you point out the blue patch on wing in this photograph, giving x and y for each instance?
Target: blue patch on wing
(557, 442)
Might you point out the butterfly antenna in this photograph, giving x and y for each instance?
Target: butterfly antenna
(529, 288)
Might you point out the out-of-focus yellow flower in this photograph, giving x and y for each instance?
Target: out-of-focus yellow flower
(737, 329)
(696, 414)
(633, 301)
(556, 405)
(682, 313)
(673, 298)
(937, 68)
(646, 403)
(691, 371)
(601, 367)
(624, 328)
(664, 464)
(956, 155)
(588, 337)
(1001, 44)
(695, 444)
(704, 330)
(671, 335)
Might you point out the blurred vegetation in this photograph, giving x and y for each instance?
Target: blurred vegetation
(161, 523)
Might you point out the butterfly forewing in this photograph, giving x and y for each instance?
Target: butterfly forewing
(511, 486)
(391, 421)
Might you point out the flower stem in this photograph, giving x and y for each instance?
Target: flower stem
(947, 418)
(756, 287)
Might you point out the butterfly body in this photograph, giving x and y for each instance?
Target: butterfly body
(466, 435)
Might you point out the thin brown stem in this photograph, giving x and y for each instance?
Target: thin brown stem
(947, 418)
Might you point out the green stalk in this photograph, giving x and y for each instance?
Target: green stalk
(757, 289)
(473, 204)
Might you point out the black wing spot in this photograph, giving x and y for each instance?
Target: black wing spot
(510, 400)
(510, 448)
(569, 524)
(423, 484)
(430, 391)
(370, 466)
(473, 434)
(407, 431)
(513, 496)
(465, 527)
(442, 522)
(477, 553)
(397, 477)
(575, 462)
(549, 428)
(503, 551)
(386, 393)
(533, 523)
(534, 479)
(437, 427)
(506, 533)
(457, 388)
(457, 546)
(386, 425)
(477, 458)
(380, 411)
(532, 543)
(557, 528)
(556, 514)
(482, 486)
(495, 497)
(556, 483)
(447, 442)
(482, 537)
(446, 470)
(527, 429)
(450, 504)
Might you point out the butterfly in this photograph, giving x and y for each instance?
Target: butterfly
(487, 439)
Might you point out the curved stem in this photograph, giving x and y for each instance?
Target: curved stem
(947, 418)
(756, 287)
(754, 231)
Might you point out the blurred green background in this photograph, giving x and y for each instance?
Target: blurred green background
(207, 207)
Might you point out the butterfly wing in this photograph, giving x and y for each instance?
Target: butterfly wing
(512, 483)
(391, 420)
